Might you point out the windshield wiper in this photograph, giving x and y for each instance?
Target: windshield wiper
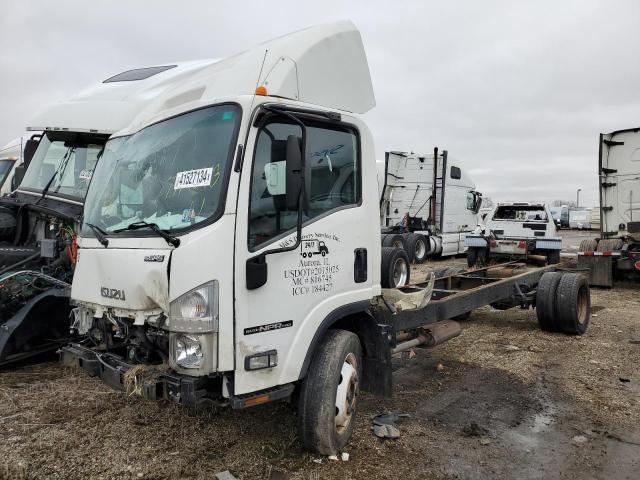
(171, 240)
(100, 234)
(60, 170)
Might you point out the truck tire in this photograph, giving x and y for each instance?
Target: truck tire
(573, 304)
(588, 245)
(416, 247)
(546, 301)
(328, 396)
(395, 268)
(553, 257)
(395, 240)
(477, 257)
(7, 224)
(472, 257)
(609, 245)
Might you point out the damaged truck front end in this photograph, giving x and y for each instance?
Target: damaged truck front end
(38, 252)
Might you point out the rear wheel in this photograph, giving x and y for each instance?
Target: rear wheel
(329, 393)
(609, 245)
(553, 257)
(546, 301)
(588, 245)
(573, 304)
(472, 257)
(395, 240)
(416, 247)
(396, 270)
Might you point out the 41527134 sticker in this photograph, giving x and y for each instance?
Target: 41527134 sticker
(193, 178)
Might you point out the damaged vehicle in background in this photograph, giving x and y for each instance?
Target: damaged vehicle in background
(515, 231)
(40, 218)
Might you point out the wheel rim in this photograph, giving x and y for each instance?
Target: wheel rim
(399, 272)
(421, 249)
(582, 306)
(347, 392)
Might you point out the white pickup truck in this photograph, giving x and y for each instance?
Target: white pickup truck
(515, 231)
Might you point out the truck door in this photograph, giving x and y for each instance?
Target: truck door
(328, 271)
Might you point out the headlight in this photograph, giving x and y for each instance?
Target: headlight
(196, 310)
(188, 351)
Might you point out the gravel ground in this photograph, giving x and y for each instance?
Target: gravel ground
(502, 400)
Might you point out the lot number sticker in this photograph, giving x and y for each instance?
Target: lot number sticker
(193, 178)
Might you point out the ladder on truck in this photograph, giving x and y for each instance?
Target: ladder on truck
(436, 204)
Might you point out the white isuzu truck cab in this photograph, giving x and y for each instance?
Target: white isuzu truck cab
(199, 215)
(230, 248)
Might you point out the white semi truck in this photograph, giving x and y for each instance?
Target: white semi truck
(10, 157)
(191, 283)
(428, 204)
(616, 253)
(40, 218)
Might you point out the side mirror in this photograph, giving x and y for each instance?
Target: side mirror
(294, 172)
(30, 148)
(478, 202)
(18, 175)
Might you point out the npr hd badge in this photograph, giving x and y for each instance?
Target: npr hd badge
(268, 327)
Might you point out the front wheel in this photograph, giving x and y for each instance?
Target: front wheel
(329, 393)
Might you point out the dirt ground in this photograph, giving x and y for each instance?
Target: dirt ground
(502, 400)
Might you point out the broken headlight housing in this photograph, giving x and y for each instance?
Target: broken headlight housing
(195, 311)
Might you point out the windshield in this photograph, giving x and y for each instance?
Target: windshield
(5, 168)
(65, 165)
(171, 173)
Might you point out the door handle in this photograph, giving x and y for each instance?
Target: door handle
(360, 265)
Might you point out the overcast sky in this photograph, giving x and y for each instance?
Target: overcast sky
(517, 92)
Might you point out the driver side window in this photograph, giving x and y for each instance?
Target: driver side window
(332, 170)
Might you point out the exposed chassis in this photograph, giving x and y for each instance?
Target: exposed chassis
(452, 296)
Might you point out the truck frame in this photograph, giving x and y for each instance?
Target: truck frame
(193, 287)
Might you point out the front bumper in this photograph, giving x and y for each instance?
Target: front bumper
(192, 392)
(111, 369)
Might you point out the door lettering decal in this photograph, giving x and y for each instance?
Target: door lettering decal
(314, 271)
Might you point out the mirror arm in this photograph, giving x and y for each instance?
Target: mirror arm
(260, 277)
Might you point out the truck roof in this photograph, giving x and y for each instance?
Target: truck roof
(12, 150)
(615, 132)
(324, 65)
(520, 204)
(113, 103)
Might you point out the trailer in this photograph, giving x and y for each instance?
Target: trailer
(616, 253)
(191, 285)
